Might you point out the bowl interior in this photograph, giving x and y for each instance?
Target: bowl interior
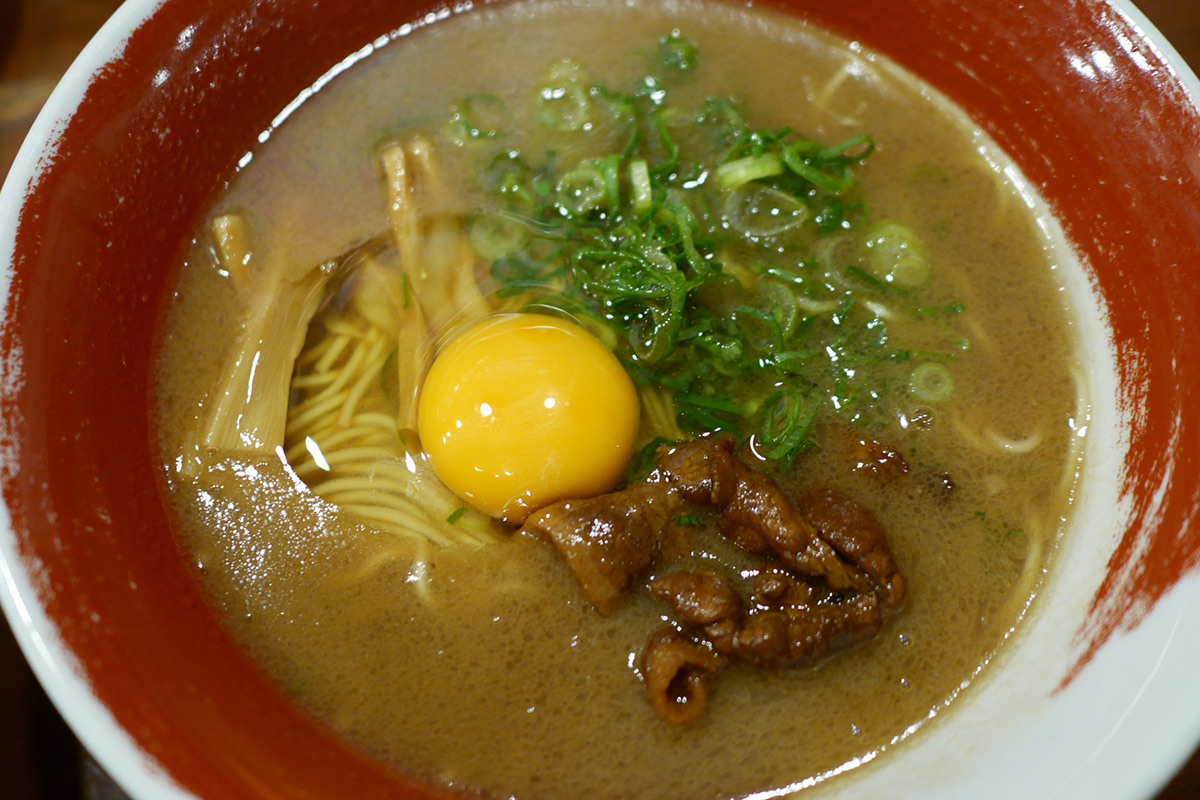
(117, 173)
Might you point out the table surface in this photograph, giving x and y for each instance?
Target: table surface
(39, 758)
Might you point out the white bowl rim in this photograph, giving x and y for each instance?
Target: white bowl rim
(1108, 777)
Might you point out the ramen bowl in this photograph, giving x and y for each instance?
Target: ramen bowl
(1094, 696)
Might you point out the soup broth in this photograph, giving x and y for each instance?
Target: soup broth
(477, 663)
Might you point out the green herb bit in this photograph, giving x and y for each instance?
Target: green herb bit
(676, 53)
(388, 370)
(863, 145)
(692, 520)
(456, 515)
(647, 457)
(924, 312)
(992, 530)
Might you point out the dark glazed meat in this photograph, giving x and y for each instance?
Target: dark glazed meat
(857, 536)
(674, 669)
(754, 513)
(793, 630)
(826, 575)
(704, 471)
(607, 540)
(700, 597)
(762, 517)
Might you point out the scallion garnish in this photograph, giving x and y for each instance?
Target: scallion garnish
(733, 269)
(931, 383)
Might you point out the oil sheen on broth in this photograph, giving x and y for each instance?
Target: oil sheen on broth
(481, 665)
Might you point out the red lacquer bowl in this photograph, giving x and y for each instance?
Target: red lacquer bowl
(1098, 698)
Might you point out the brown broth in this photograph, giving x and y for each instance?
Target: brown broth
(506, 680)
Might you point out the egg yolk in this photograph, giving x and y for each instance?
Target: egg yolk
(523, 410)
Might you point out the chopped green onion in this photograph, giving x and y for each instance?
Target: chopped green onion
(730, 125)
(837, 181)
(676, 52)
(784, 426)
(786, 275)
(863, 143)
(653, 336)
(669, 148)
(480, 116)
(563, 102)
(931, 383)
(726, 348)
(709, 255)
(610, 168)
(493, 236)
(735, 173)
(456, 514)
(639, 182)
(896, 255)
(869, 279)
(783, 306)
(715, 402)
(791, 361)
(647, 457)
(756, 210)
(581, 190)
(690, 519)
(768, 321)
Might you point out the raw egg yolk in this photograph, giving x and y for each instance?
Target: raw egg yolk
(523, 410)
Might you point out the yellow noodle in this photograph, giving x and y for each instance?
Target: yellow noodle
(418, 573)
(399, 521)
(311, 354)
(368, 455)
(335, 349)
(660, 413)
(363, 569)
(341, 326)
(370, 373)
(376, 418)
(1031, 572)
(313, 381)
(1014, 446)
(364, 349)
(382, 501)
(342, 410)
(335, 438)
(308, 413)
(402, 526)
(346, 483)
(379, 466)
